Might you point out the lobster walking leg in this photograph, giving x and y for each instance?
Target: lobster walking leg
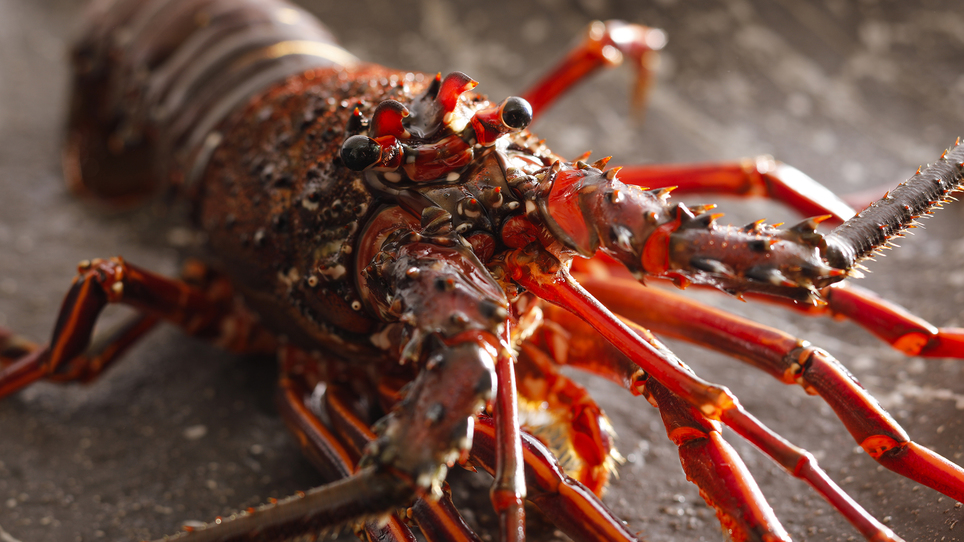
(790, 360)
(570, 505)
(761, 176)
(605, 45)
(328, 454)
(209, 313)
(543, 275)
(707, 459)
(14, 347)
(577, 431)
(890, 322)
(418, 441)
(438, 519)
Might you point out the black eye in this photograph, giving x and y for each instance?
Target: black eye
(516, 113)
(359, 152)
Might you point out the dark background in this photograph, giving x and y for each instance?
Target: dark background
(854, 93)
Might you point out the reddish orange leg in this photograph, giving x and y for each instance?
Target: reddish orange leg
(605, 45)
(202, 312)
(890, 322)
(790, 360)
(14, 347)
(509, 490)
(707, 459)
(723, 479)
(417, 442)
(759, 177)
(571, 506)
(543, 275)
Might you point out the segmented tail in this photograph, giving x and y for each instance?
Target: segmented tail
(889, 217)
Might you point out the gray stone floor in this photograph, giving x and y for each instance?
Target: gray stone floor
(855, 93)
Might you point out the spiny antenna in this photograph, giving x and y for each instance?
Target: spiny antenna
(891, 216)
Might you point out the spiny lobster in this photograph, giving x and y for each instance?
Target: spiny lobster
(704, 263)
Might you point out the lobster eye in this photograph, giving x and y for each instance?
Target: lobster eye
(516, 113)
(359, 152)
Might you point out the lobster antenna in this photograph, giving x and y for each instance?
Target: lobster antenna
(872, 229)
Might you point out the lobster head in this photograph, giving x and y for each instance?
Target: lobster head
(465, 166)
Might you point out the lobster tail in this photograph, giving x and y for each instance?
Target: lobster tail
(889, 217)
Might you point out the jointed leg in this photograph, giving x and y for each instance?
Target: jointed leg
(605, 45)
(209, 312)
(707, 459)
(571, 506)
(790, 360)
(890, 322)
(577, 431)
(328, 454)
(543, 275)
(759, 177)
(438, 519)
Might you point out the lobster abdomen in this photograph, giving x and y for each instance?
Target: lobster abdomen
(152, 79)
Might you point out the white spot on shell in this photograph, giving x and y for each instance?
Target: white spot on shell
(452, 177)
(392, 176)
(335, 272)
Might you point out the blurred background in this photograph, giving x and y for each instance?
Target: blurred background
(855, 93)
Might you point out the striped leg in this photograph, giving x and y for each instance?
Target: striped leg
(209, 311)
(790, 360)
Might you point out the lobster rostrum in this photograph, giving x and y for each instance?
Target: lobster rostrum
(411, 250)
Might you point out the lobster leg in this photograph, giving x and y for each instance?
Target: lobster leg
(571, 506)
(542, 274)
(707, 459)
(327, 452)
(890, 322)
(577, 431)
(605, 45)
(790, 360)
(438, 519)
(204, 312)
(723, 479)
(761, 176)
(14, 347)
(418, 441)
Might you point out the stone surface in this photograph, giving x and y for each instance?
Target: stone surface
(857, 94)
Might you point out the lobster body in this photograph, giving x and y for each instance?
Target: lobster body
(157, 84)
(398, 219)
